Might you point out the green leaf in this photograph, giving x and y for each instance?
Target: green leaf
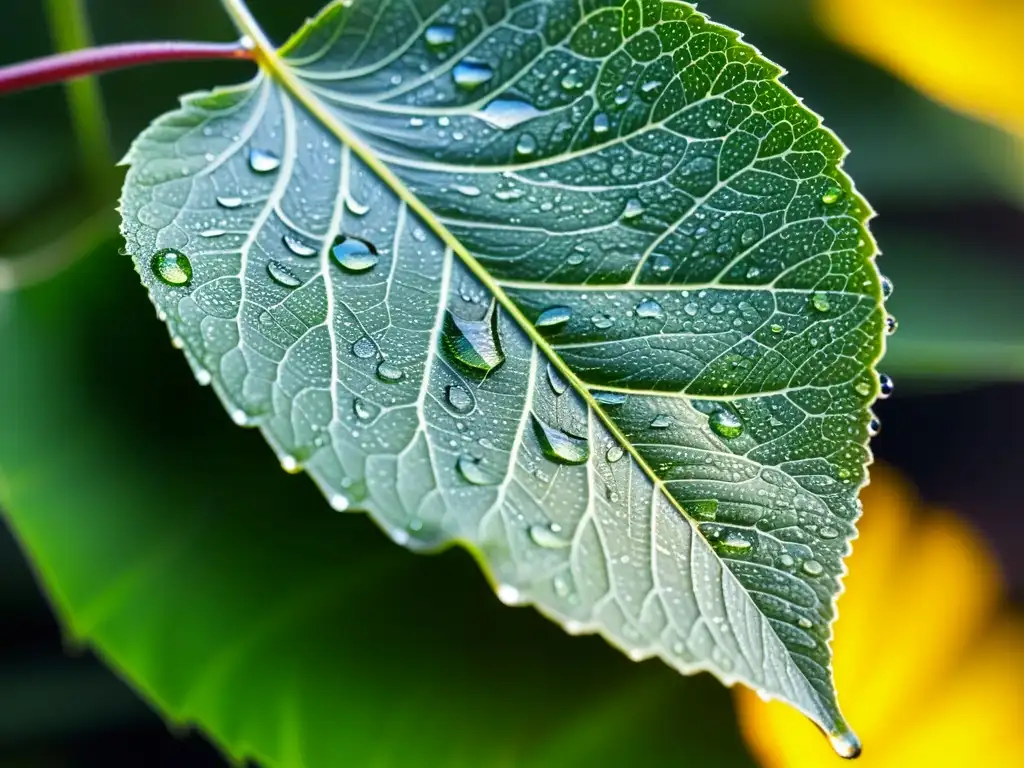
(579, 286)
(230, 600)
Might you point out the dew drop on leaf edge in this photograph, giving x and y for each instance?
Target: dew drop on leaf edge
(172, 267)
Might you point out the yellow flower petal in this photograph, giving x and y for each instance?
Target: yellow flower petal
(965, 55)
(919, 602)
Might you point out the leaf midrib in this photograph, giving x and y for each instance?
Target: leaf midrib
(268, 58)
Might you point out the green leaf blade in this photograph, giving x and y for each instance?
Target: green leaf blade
(645, 175)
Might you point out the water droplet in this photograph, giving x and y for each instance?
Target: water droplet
(813, 568)
(662, 421)
(543, 536)
(389, 374)
(614, 454)
(846, 744)
(212, 233)
(733, 543)
(661, 263)
(471, 471)
(172, 267)
(601, 124)
(507, 113)
(692, 309)
(355, 207)
(787, 561)
(828, 532)
(572, 81)
(650, 86)
(474, 343)
(282, 275)
(354, 254)
(298, 247)
(891, 325)
(560, 446)
(263, 161)
(804, 622)
(887, 287)
(832, 195)
(748, 237)
(649, 309)
(340, 502)
(364, 348)
(558, 384)
(603, 321)
(725, 423)
(509, 595)
(468, 190)
(608, 398)
(634, 209)
(289, 465)
(440, 35)
(886, 386)
(554, 316)
(527, 145)
(820, 302)
(229, 202)
(863, 388)
(471, 73)
(362, 411)
(874, 427)
(776, 328)
(459, 398)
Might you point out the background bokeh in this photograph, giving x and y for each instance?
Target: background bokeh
(944, 170)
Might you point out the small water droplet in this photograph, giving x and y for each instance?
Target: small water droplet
(364, 348)
(212, 233)
(863, 388)
(813, 568)
(634, 209)
(846, 744)
(733, 543)
(776, 328)
(874, 427)
(649, 309)
(440, 35)
(543, 536)
(891, 325)
(470, 74)
(262, 161)
(887, 287)
(289, 464)
(355, 207)
(558, 384)
(527, 145)
(611, 399)
(340, 502)
(559, 446)
(662, 421)
(297, 246)
(572, 81)
(603, 321)
(601, 123)
(229, 202)
(354, 254)
(787, 561)
(554, 316)
(172, 267)
(828, 532)
(468, 190)
(804, 622)
(471, 471)
(692, 309)
(650, 86)
(389, 374)
(459, 398)
(725, 423)
(886, 386)
(362, 411)
(820, 302)
(661, 263)
(749, 237)
(509, 595)
(474, 343)
(614, 454)
(832, 195)
(282, 275)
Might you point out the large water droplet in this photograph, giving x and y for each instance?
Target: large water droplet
(471, 471)
(440, 35)
(608, 398)
(389, 373)
(725, 423)
(172, 267)
(471, 73)
(544, 536)
(355, 254)
(364, 348)
(560, 446)
(508, 113)
(554, 316)
(474, 343)
(846, 744)
(649, 309)
(262, 161)
(459, 398)
(298, 247)
(282, 275)
(228, 201)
